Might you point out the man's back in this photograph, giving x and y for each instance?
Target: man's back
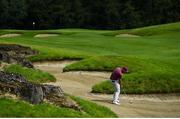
(116, 74)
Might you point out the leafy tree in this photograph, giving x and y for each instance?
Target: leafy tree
(112, 14)
(131, 17)
(100, 14)
(12, 12)
(4, 12)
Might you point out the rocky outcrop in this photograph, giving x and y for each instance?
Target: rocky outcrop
(34, 93)
(15, 84)
(12, 53)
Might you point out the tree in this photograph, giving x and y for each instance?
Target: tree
(130, 16)
(99, 14)
(12, 13)
(4, 13)
(39, 12)
(112, 14)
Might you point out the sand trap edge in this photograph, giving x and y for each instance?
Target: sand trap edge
(45, 35)
(10, 35)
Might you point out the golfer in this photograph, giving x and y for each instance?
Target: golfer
(116, 81)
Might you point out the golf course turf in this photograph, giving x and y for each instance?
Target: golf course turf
(15, 108)
(152, 57)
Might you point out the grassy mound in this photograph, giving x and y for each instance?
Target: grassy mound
(145, 75)
(14, 108)
(143, 83)
(108, 63)
(49, 54)
(150, 31)
(33, 75)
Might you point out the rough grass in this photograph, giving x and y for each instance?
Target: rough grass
(150, 31)
(15, 108)
(145, 75)
(93, 109)
(141, 83)
(108, 63)
(49, 54)
(33, 75)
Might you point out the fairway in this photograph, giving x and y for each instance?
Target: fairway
(161, 44)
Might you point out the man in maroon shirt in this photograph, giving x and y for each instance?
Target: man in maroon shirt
(116, 81)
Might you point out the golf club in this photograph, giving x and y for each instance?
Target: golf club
(130, 101)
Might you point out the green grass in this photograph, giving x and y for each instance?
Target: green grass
(151, 30)
(108, 63)
(145, 75)
(153, 58)
(49, 54)
(93, 109)
(15, 108)
(143, 83)
(32, 75)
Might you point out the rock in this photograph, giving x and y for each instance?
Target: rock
(34, 93)
(10, 77)
(12, 53)
(18, 49)
(50, 90)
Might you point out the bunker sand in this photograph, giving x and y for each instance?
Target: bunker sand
(10, 35)
(45, 35)
(127, 35)
(79, 84)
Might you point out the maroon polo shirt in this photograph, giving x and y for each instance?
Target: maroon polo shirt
(116, 74)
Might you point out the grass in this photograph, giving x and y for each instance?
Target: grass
(153, 58)
(94, 109)
(49, 54)
(143, 83)
(32, 75)
(15, 108)
(145, 75)
(108, 63)
(151, 30)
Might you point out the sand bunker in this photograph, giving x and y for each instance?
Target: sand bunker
(127, 35)
(79, 83)
(9, 35)
(45, 35)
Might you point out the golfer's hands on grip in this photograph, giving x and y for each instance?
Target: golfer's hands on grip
(120, 83)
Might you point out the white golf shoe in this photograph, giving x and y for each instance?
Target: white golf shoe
(116, 102)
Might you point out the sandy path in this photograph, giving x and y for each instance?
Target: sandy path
(79, 84)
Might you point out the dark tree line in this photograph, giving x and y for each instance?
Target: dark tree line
(98, 14)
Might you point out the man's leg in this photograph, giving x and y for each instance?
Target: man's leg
(117, 91)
